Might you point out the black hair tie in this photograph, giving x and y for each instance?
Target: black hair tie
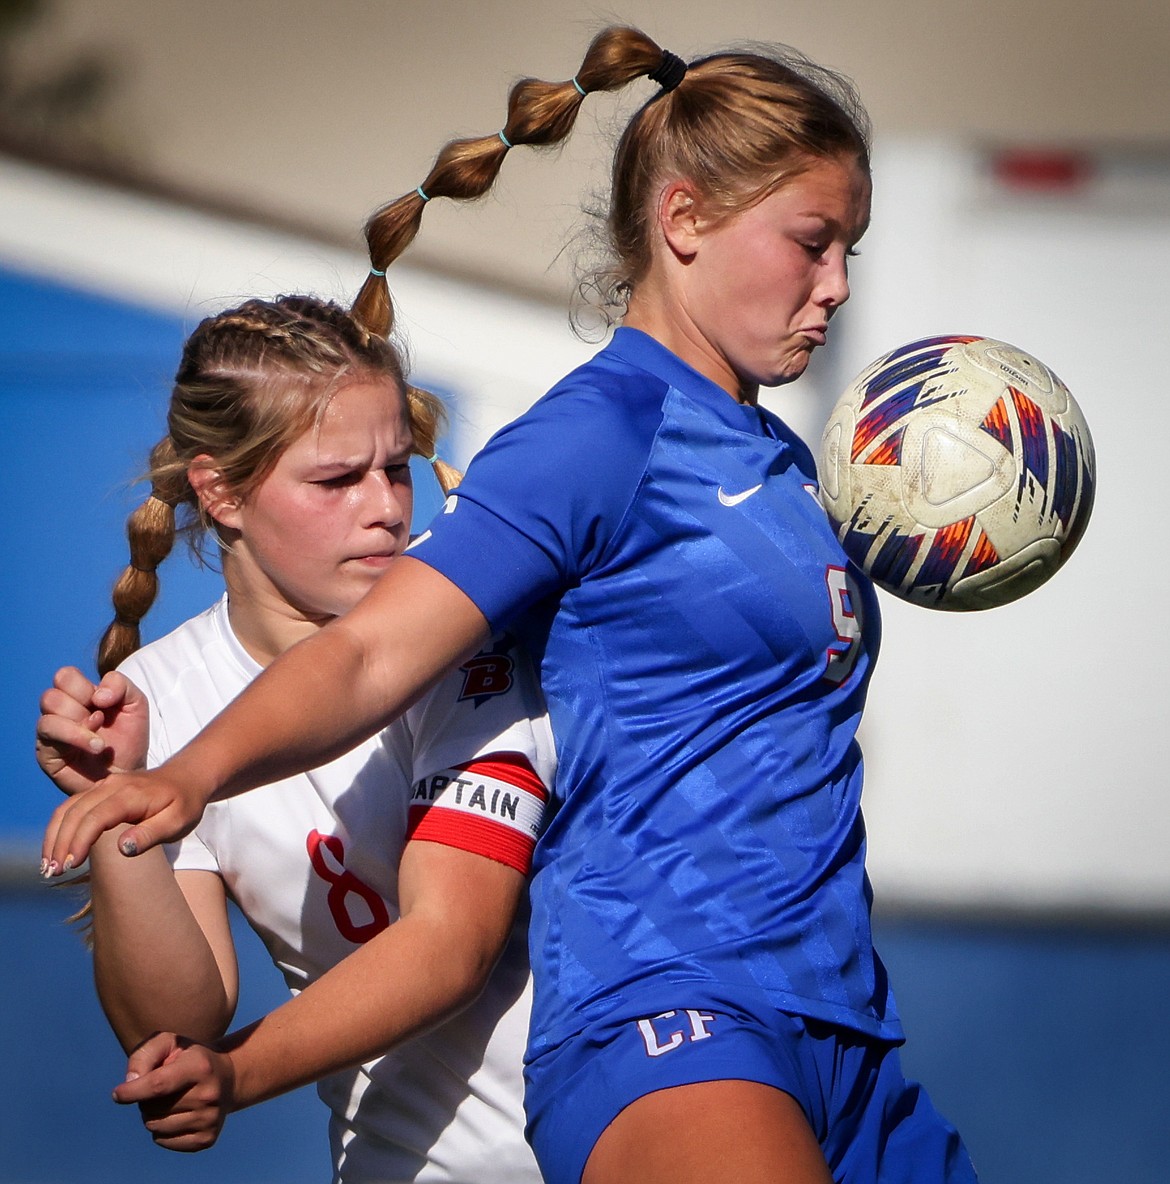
(669, 72)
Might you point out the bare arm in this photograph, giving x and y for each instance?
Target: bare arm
(163, 955)
(457, 911)
(317, 700)
(163, 952)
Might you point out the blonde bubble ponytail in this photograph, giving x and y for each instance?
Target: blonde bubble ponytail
(428, 420)
(540, 114)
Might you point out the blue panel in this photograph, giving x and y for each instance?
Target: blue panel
(83, 385)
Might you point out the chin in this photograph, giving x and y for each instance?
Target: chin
(792, 369)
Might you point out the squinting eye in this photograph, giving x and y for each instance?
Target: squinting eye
(398, 472)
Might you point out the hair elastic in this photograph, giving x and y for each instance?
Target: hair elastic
(419, 190)
(669, 72)
(160, 496)
(432, 459)
(505, 141)
(375, 271)
(580, 89)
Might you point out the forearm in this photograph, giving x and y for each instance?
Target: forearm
(399, 985)
(331, 691)
(153, 965)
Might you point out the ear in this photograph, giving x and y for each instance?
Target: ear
(216, 498)
(680, 218)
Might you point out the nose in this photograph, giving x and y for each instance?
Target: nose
(388, 498)
(833, 289)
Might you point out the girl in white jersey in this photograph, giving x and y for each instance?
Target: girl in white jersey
(290, 431)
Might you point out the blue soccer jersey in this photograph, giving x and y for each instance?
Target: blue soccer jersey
(704, 647)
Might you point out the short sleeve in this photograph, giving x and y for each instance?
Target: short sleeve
(190, 853)
(542, 500)
(483, 758)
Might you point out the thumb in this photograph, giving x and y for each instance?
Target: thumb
(151, 1053)
(164, 827)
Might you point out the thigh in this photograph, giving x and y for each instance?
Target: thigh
(633, 1086)
(712, 1130)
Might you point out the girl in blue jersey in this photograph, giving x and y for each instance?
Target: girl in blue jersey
(708, 1000)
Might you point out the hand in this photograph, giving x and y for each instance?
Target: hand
(165, 802)
(85, 731)
(183, 1090)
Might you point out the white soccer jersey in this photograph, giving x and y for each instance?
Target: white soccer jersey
(312, 862)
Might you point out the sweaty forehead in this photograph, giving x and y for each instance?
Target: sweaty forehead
(835, 192)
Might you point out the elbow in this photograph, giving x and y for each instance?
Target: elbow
(204, 1017)
(471, 977)
(468, 968)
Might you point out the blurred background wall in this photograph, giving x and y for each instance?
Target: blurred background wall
(159, 161)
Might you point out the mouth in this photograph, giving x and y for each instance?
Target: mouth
(816, 334)
(380, 560)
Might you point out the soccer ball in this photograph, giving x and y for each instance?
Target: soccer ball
(958, 472)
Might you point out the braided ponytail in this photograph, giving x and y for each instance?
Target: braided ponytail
(428, 418)
(150, 531)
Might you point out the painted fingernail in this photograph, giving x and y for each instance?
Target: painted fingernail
(44, 866)
(68, 863)
(128, 847)
(95, 745)
(132, 1076)
(52, 869)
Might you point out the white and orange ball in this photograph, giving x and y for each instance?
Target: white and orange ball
(958, 472)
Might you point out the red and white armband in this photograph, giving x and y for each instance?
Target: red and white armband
(492, 806)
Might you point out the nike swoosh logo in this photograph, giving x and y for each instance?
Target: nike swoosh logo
(733, 499)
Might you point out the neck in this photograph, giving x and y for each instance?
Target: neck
(667, 322)
(264, 623)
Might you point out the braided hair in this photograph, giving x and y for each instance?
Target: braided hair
(251, 380)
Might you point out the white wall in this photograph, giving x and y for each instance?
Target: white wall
(1016, 756)
(1021, 754)
(498, 352)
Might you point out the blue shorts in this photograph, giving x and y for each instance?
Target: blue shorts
(873, 1125)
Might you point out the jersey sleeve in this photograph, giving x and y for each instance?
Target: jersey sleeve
(189, 853)
(542, 500)
(483, 758)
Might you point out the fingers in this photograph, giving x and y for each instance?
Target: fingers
(70, 681)
(184, 1094)
(67, 730)
(113, 690)
(151, 1054)
(77, 823)
(190, 1069)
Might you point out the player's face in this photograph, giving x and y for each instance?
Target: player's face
(333, 512)
(763, 285)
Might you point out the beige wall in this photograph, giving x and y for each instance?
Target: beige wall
(318, 111)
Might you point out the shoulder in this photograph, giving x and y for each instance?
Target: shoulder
(194, 660)
(489, 703)
(605, 405)
(583, 444)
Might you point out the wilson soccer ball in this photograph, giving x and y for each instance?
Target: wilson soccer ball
(958, 472)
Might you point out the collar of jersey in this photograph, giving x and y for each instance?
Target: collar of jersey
(235, 647)
(641, 350)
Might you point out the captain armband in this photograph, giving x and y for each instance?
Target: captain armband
(493, 806)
